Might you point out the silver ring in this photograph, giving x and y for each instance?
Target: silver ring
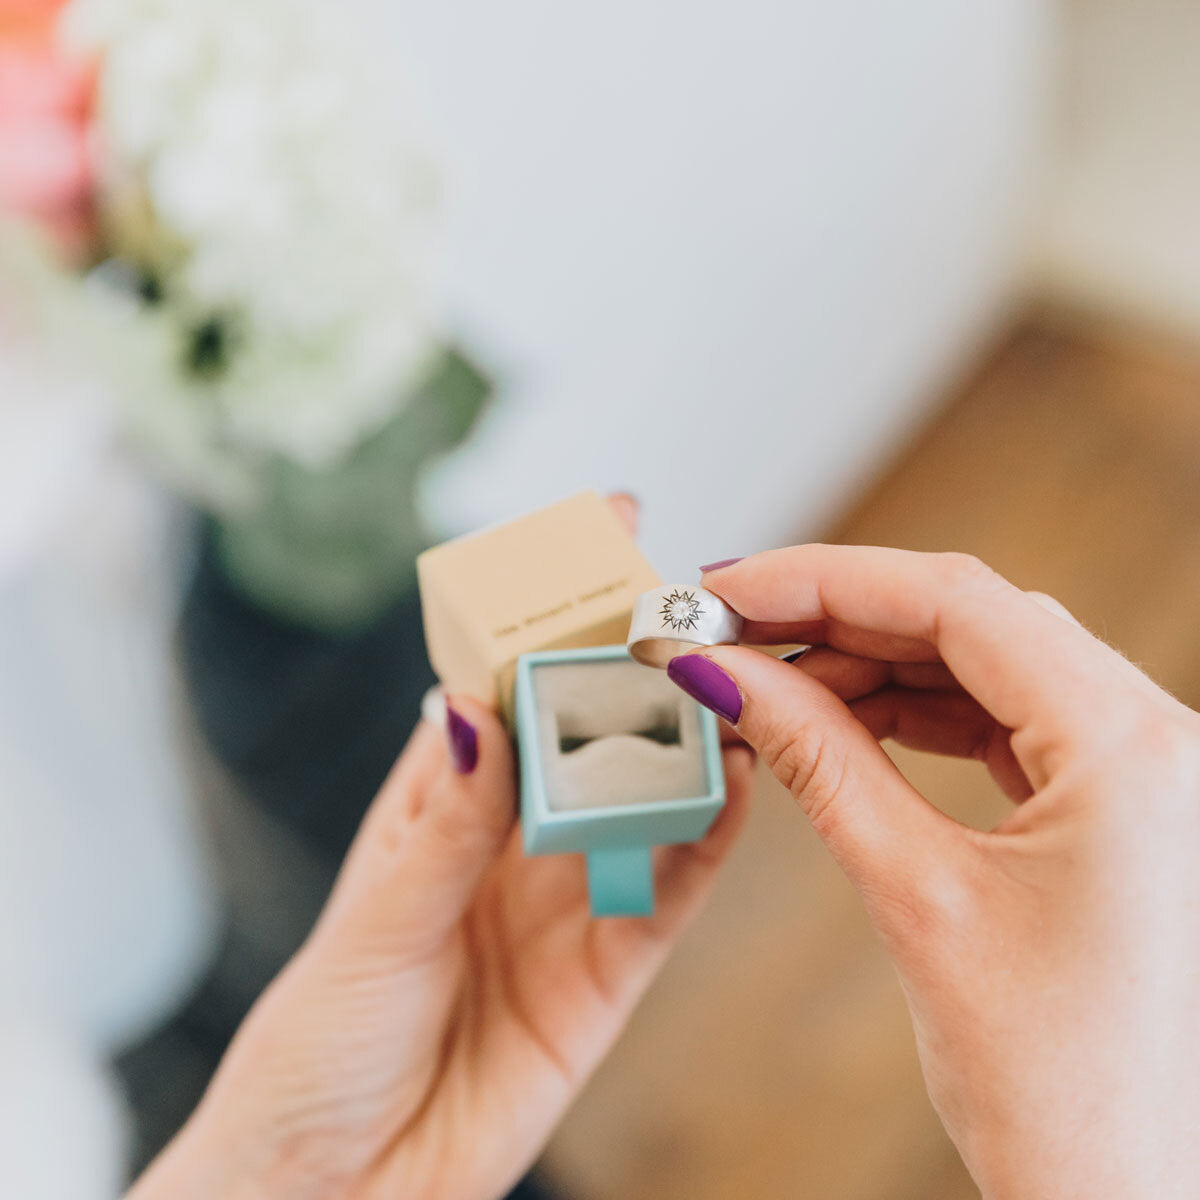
(671, 620)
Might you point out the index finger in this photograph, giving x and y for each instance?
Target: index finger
(1023, 663)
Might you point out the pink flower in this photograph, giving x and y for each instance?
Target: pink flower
(45, 107)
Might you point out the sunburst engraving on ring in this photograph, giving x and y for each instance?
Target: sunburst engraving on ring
(681, 610)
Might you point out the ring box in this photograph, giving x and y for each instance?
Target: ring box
(614, 758)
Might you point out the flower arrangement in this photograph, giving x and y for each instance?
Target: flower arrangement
(233, 183)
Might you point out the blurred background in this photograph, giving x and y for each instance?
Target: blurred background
(285, 298)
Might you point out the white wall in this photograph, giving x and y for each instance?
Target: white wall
(721, 255)
(1121, 228)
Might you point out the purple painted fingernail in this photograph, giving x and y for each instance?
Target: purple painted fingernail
(704, 681)
(717, 566)
(463, 741)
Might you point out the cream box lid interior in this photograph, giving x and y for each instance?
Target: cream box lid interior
(564, 576)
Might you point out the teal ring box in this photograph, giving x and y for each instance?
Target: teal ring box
(616, 835)
(614, 758)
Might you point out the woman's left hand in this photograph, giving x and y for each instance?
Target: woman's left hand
(448, 1006)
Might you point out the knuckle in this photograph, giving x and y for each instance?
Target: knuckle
(946, 899)
(1145, 754)
(809, 764)
(460, 827)
(1048, 601)
(934, 909)
(1168, 743)
(1052, 605)
(958, 569)
(450, 824)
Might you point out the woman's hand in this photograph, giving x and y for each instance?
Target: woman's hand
(1052, 965)
(450, 1003)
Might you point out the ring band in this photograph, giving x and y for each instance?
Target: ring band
(671, 620)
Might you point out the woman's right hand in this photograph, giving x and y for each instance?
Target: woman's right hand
(1051, 965)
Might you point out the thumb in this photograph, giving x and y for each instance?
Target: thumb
(438, 823)
(891, 842)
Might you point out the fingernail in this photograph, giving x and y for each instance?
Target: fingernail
(433, 707)
(463, 741)
(717, 566)
(794, 655)
(704, 681)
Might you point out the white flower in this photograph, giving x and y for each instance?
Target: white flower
(255, 165)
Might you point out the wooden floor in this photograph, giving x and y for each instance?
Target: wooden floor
(774, 1057)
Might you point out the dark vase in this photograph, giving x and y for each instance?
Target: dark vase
(308, 722)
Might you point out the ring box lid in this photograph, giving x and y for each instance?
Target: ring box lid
(564, 576)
